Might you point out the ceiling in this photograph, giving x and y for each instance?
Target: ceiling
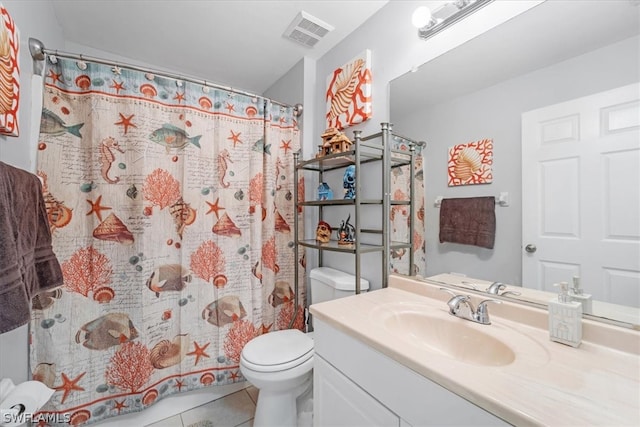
(233, 43)
(546, 34)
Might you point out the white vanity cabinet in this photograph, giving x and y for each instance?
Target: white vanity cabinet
(355, 385)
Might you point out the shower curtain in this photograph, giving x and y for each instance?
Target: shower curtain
(171, 211)
(399, 217)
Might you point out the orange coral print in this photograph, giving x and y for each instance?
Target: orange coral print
(471, 163)
(130, 367)
(255, 192)
(207, 262)
(240, 333)
(349, 93)
(86, 270)
(286, 314)
(300, 193)
(269, 255)
(417, 241)
(161, 188)
(9, 74)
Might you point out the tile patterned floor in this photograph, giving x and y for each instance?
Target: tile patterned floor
(234, 410)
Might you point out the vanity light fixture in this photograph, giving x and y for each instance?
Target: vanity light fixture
(430, 22)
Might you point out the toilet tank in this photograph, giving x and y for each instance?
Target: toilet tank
(328, 283)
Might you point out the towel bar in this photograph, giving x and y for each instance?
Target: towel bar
(502, 200)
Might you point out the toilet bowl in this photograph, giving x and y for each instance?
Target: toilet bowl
(280, 363)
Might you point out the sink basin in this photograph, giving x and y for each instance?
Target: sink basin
(448, 335)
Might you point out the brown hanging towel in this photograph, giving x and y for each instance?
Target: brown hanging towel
(28, 265)
(468, 221)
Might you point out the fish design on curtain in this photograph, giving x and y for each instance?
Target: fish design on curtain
(171, 209)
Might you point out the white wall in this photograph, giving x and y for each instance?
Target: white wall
(460, 120)
(395, 49)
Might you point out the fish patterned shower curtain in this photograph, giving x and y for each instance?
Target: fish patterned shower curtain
(171, 210)
(400, 214)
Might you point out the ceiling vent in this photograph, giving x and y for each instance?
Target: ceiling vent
(307, 29)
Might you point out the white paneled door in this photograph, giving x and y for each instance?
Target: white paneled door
(581, 195)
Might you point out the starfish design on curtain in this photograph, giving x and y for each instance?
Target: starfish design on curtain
(179, 384)
(286, 146)
(233, 376)
(179, 97)
(69, 385)
(199, 352)
(97, 208)
(235, 137)
(230, 107)
(119, 406)
(125, 122)
(215, 207)
(118, 86)
(55, 77)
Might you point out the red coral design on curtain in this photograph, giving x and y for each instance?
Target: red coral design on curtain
(400, 195)
(130, 367)
(255, 192)
(86, 270)
(207, 261)
(417, 241)
(161, 189)
(240, 334)
(300, 193)
(286, 314)
(269, 255)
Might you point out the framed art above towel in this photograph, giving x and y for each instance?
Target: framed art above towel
(471, 163)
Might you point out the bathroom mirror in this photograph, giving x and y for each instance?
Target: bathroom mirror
(556, 52)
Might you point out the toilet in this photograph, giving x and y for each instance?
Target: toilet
(280, 363)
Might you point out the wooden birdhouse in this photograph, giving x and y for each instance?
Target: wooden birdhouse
(327, 136)
(340, 143)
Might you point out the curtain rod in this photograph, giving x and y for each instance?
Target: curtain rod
(39, 52)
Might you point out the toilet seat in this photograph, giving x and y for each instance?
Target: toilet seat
(277, 351)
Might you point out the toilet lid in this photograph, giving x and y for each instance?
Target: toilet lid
(277, 351)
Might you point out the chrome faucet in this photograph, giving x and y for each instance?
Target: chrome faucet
(496, 287)
(479, 315)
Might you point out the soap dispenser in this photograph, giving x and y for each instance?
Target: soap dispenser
(577, 295)
(565, 318)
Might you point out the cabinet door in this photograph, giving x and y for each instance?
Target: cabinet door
(337, 401)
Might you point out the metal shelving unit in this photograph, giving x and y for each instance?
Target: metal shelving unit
(368, 149)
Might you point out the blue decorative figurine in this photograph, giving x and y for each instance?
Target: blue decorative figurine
(324, 192)
(349, 182)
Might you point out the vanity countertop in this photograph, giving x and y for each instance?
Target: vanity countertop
(548, 383)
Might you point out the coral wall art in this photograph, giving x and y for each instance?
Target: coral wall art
(9, 74)
(471, 163)
(349, 92)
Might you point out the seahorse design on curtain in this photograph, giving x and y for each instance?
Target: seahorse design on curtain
(168, 222)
